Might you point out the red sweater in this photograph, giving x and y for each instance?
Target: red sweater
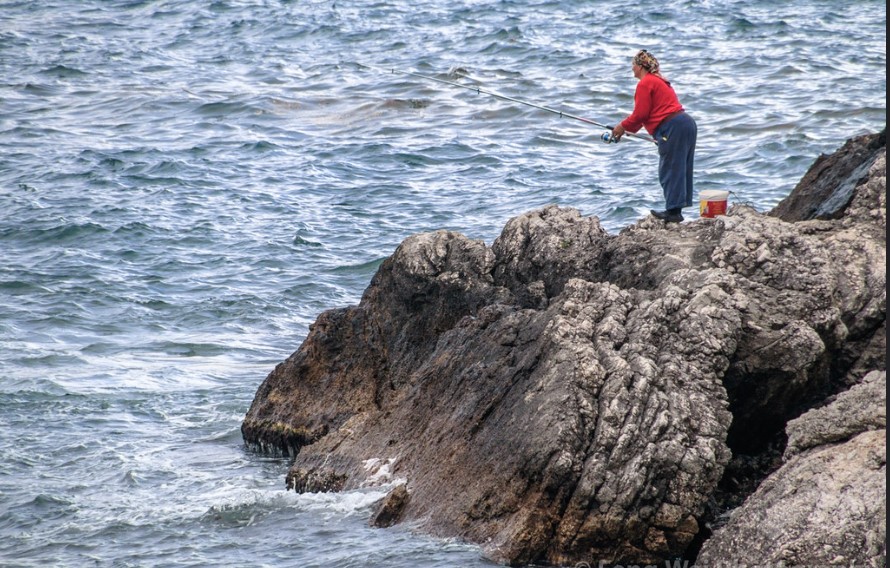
(654, 100)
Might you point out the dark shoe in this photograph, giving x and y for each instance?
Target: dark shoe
(669, 216)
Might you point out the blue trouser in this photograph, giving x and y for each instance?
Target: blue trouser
(676, 152)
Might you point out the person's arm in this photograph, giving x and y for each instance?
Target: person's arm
(642, 108)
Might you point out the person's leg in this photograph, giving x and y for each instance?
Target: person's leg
(672, 158)
(690, 159)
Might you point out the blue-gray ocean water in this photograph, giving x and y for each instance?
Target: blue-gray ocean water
(186, 184)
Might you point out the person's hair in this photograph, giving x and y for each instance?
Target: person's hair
(647, 61)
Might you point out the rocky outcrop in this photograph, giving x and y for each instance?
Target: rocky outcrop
(826, 504)
(860, 409)
(827, 189)
(566, 395)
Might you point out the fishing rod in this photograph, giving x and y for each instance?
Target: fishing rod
(606, 136)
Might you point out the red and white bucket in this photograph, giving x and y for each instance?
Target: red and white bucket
(713, 203)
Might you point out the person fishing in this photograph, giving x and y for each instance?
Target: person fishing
(657, 108)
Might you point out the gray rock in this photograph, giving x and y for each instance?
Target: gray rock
(827, 504)
(567, 395)
(538, 252)
(828, 187)
(859, 409)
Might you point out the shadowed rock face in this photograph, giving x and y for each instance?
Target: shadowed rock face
(828, 187)
(826, 505)
(566, 395)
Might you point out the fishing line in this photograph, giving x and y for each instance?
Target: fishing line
(606, 136)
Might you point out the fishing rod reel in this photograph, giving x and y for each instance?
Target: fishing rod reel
(608, 139)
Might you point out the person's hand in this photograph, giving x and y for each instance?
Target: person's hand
(617, 133)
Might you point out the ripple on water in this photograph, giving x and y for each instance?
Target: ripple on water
(187, 185)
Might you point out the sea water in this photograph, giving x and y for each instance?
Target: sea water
(185, 185)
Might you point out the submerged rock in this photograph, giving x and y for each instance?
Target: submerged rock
(567, 395)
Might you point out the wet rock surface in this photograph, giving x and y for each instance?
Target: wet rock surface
(390, 509)
(566, 395)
